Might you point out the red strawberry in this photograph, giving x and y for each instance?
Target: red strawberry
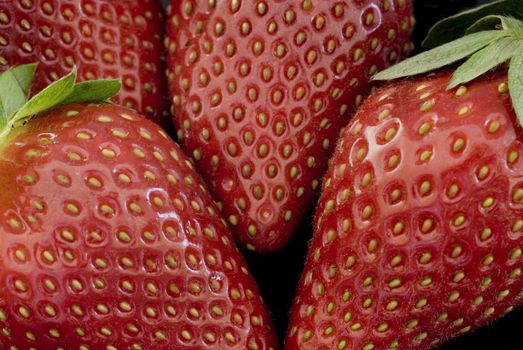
(260, 90)
(104, 39)
(110, 241)
(419, 229)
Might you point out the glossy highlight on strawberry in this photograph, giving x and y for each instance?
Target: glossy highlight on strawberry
(104, 39)
(418, 232)
(260, 90)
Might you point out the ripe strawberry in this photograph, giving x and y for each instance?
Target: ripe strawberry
(260, 90)
(104, 39)
(419, 228)
(110, 241)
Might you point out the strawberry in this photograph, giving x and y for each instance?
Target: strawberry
(418, 233)
(109, 238)
(104, 39)
(260, 90)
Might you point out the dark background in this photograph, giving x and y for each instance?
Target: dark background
(278, 273)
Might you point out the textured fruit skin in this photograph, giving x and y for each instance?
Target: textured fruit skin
(260, 90)
(104, 39)
(396, 279)
(110, 239)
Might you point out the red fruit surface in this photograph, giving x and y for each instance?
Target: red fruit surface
(110, 241)
(260, 90)
(104, 39)
(418, 231)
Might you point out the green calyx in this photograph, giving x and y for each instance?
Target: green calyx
(16, 107)
(484, 38)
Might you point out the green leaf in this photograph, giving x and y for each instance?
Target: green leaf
(2, 120)
(486, 23)
(454, 27)
(24, 75)
(515, 83)
(442, 56)
(49, 97)
(494, 22)
(92, 91)
(514, 25)
(484, 60)
(15, 83)
(14, 88)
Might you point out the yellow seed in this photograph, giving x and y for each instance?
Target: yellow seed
(477, 300)
(493, 127)
(425, 155)
(427, 225)
(384, 114)
(425, 95)
(396, 260)
(393, 344)
(412, 324)
(486, 233)
(427, 105)
(442, 317)
(367, 212)
(459, 220)
(463, 111)
(488, 311)
(426, 281)
(393, 161)
(458, 145)
(186, 335)
(487, 202)
(395, 195)
(395, 283)
(392, 305)
(461, 91)
(398, 227)
(358, 54)
(104, 119)
(458, 277)
(483, 172)
(421, 336)
(487, 260)
(262, 8)
(109, 153)
(515, 254)
(503, 294)
(356, 326)
(453, 190)
(390, 134)
(251, 230)
(512, 156)
(503, 88)
(515, 273)
(54, 333)
(517, 195)
(425, 188)
(456, 251)
(47, 255)
(307, 335)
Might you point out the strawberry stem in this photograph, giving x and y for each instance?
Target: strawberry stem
(487, 43)
(16, 107)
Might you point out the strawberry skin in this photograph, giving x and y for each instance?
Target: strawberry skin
(260, 90)
(104, 39)
(110, 241)
(418, 231)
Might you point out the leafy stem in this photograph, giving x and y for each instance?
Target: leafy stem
(487, 42)
(16, 106)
